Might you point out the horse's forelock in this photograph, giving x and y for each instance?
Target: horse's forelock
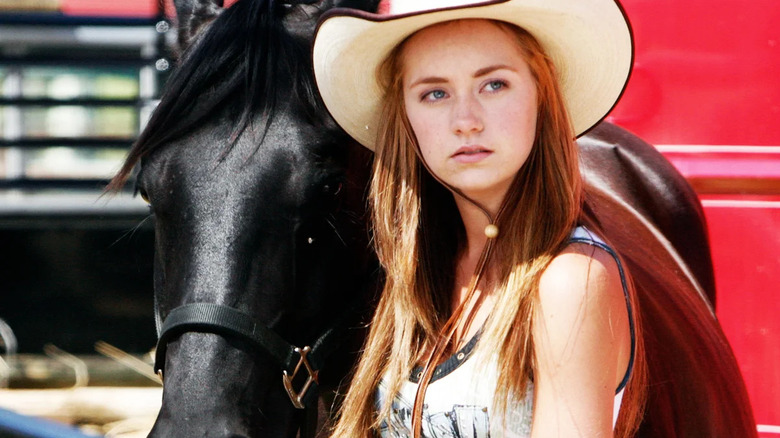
(245, 58)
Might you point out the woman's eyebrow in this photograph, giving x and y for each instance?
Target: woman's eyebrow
(490, 69)
(428, 80)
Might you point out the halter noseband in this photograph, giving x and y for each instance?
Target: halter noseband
(227, 321)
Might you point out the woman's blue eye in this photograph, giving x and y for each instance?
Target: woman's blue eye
(495, 85)
(434, 95)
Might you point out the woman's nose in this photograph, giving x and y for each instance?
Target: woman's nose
(467, 116)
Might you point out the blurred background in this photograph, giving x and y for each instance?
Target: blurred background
(78, 80)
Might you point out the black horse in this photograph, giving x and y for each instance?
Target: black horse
(258, 207)
(258, 199)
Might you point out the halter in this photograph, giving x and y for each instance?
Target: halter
(227, 321)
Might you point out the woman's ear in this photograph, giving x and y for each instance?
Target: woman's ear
(192, 17)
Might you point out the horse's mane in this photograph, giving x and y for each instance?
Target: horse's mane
(242, 57)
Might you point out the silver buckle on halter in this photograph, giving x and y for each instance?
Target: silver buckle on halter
(297, 397)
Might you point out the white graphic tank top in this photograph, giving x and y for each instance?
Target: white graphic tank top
(459, 399)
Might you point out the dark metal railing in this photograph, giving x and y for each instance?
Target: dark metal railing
(82, 44)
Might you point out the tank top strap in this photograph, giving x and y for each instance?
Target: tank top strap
(580, 234)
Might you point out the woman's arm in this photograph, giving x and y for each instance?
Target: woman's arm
(582, 344)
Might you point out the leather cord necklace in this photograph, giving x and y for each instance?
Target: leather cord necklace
(465, 311)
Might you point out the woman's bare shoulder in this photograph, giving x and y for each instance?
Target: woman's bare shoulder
(582, 342)
(580, 273)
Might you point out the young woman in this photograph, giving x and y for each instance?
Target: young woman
(501, 314)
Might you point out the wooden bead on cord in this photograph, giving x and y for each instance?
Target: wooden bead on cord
(491, 231)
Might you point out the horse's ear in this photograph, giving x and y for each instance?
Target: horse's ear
(363, 5)
(301, 15)
(193, 16)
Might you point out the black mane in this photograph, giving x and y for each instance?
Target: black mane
(241, 59)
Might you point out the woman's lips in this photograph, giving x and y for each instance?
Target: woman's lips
(471, 154)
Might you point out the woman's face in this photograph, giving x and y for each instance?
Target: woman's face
(472, 103)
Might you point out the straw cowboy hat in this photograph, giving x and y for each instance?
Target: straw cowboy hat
(589, 42)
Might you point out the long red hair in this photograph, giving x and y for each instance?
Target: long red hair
(417, 240)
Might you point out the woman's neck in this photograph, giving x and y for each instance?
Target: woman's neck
(474, 221)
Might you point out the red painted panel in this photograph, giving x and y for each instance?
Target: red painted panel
(706, 72)
(171, 12)
(725, 161)
(109, 8)
(745, 241)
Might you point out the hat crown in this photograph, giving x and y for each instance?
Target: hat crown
(399, 7)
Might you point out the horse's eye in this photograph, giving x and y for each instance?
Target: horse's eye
(332, 189)
(144, 195)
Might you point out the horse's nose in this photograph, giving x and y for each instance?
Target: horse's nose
(189, 430)
(199, 433)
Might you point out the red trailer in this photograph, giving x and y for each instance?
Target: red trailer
(706, 91)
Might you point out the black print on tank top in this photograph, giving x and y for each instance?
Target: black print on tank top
(461, 422)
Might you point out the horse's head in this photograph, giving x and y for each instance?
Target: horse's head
(259, 240)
